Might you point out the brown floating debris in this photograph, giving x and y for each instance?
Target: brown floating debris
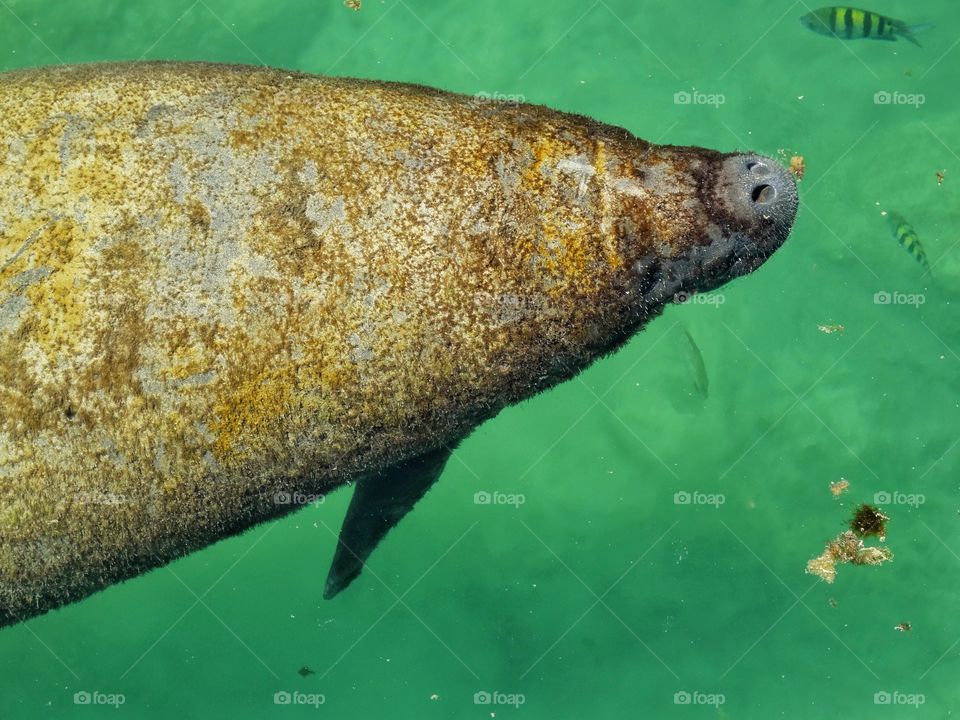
(903, 627)
(824, 566)
(352, 4)
(794, 161)
(867, 521)
(839, 487)
(798, 166)
(846, 548)
(940, 174)
(830, 329)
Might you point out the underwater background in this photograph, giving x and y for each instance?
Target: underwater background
(633, 542)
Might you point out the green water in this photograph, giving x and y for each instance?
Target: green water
(600, 596)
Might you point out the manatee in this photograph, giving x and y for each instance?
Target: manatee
(226, 290)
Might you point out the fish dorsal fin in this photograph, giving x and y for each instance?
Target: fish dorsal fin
(380, 500)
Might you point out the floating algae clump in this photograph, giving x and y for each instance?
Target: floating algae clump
(869, 521)
(848, 546)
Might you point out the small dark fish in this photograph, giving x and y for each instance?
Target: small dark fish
(305, 671)
(853, 24)
(701, 383)
(906, 236)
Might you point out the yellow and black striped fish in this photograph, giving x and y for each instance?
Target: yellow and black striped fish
(906, 236)
(852, 24)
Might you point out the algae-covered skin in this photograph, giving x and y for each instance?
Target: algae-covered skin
(222, 286)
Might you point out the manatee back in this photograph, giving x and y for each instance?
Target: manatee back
(217, 283)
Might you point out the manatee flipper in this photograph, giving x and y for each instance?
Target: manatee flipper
(380, 500)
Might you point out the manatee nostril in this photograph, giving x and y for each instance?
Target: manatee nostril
(764, 194)
(760, 193)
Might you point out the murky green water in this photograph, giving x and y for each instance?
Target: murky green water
(600, 595)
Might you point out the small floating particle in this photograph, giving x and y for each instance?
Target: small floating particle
(839, 487)
(830, 329)
(352, 4)
(940, 174)
(903, 627)
(798, 166)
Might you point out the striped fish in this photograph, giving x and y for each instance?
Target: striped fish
(701, 383)
(852, 24)
(906, 236)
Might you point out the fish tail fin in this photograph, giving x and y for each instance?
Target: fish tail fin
(908, 32)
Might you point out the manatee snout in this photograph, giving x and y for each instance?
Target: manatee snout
(745, 207)
(760, 192)
(759, 196)
(751, 202)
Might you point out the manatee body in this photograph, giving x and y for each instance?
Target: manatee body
(226, 289)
